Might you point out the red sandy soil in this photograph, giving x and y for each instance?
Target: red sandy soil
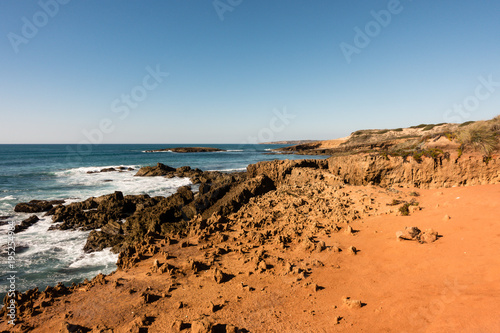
(450, 285)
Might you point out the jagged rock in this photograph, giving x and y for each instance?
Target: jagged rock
(409, 233)
(112, 228)
(277, 171)
(155, 266)
(320, 246)
(414, 233)
(159, 170)
(26, 223)
(428, 236)
(201, 326)
(177, 326)
(219, 276)
(99, 240)
(262, 266)
(36, 206)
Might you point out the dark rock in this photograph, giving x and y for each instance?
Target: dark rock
(112, 228)
(26, 223)
(36, 206)
(159, 170)
(98, 241)
(94, 213)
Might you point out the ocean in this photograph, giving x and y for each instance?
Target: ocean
(50, 172)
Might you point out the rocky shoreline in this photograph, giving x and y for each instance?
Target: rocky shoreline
(275, 221)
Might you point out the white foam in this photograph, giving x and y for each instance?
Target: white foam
(102, 258)
(101, 183)
(234, 150)
(9, 197)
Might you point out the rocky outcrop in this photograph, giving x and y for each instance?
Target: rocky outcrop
(26, 223)
(124, 220)
(187, 150)
(195, 175)
(95, 213)
(36, 206)
(159, 170)
(99, 240)
(278, 170)
(240, 195)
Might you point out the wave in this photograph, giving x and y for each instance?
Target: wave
(81, 184)
(101, 258)
(9, 197)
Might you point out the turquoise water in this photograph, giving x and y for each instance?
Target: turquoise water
(48, 172)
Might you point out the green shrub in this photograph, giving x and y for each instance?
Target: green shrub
(466, 123)
(479, 136)
(405, 209)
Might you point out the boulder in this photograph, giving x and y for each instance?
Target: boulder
(36, 206)
(159, 170)
(26, 223)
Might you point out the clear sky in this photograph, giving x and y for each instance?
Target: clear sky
(242, 70)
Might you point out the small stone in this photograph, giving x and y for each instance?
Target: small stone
(352, 250)
(351, 303)
(201, 326)
(446, 218)
(320, 246)
(219, 276)
(348, 230)
(262, 266)
(428, 236)
(176, 326)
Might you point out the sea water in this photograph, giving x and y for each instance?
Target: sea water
(50, 172)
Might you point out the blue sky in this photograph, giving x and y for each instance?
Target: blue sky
(233, 65)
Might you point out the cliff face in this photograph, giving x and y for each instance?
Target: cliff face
(430, 173)
(385, 171)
